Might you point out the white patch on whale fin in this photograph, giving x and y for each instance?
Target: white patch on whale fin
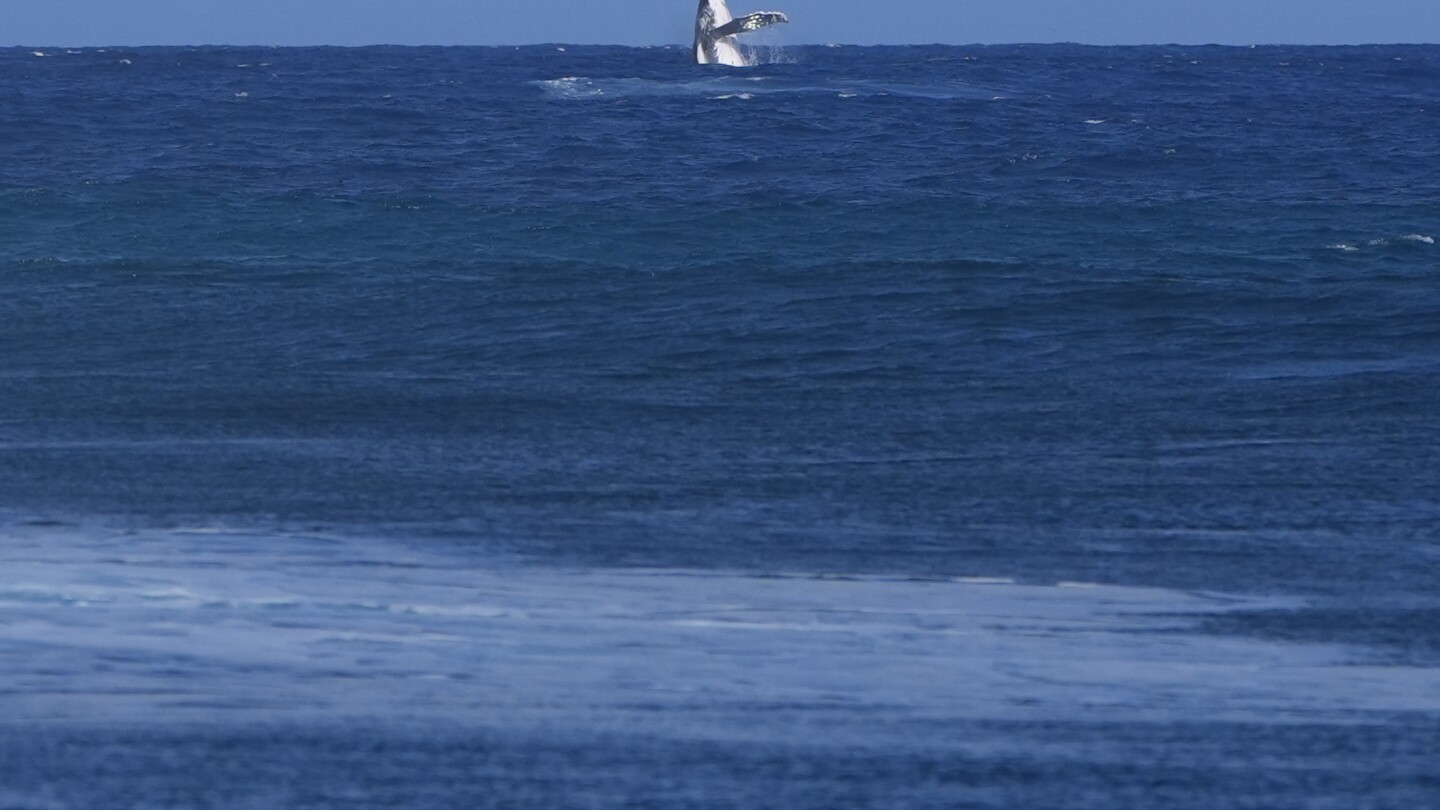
(751, 22)
(716, 29)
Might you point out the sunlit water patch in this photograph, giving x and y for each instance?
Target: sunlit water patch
(187, 625)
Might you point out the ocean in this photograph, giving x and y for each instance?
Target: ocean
(578, 427)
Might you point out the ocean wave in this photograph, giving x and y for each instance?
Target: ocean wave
(1409, 239)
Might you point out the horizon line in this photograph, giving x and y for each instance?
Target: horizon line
(669, 45)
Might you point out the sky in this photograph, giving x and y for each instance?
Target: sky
(658, 22)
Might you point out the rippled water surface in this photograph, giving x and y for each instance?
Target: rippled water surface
(874, 427)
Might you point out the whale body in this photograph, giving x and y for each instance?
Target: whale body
(716, 29)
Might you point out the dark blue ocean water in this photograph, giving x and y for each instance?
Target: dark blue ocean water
(1145, 317)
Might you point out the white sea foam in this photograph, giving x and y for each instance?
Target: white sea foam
(570, 87)
(172, 626)
(1413, 238)
(729, 85)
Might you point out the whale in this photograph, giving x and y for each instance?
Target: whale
(716, 29)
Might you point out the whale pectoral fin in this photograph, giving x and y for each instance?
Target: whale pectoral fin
(750, 22)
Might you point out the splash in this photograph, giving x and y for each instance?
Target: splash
(767, 47)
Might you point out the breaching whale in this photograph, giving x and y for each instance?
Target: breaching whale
(715, 30)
